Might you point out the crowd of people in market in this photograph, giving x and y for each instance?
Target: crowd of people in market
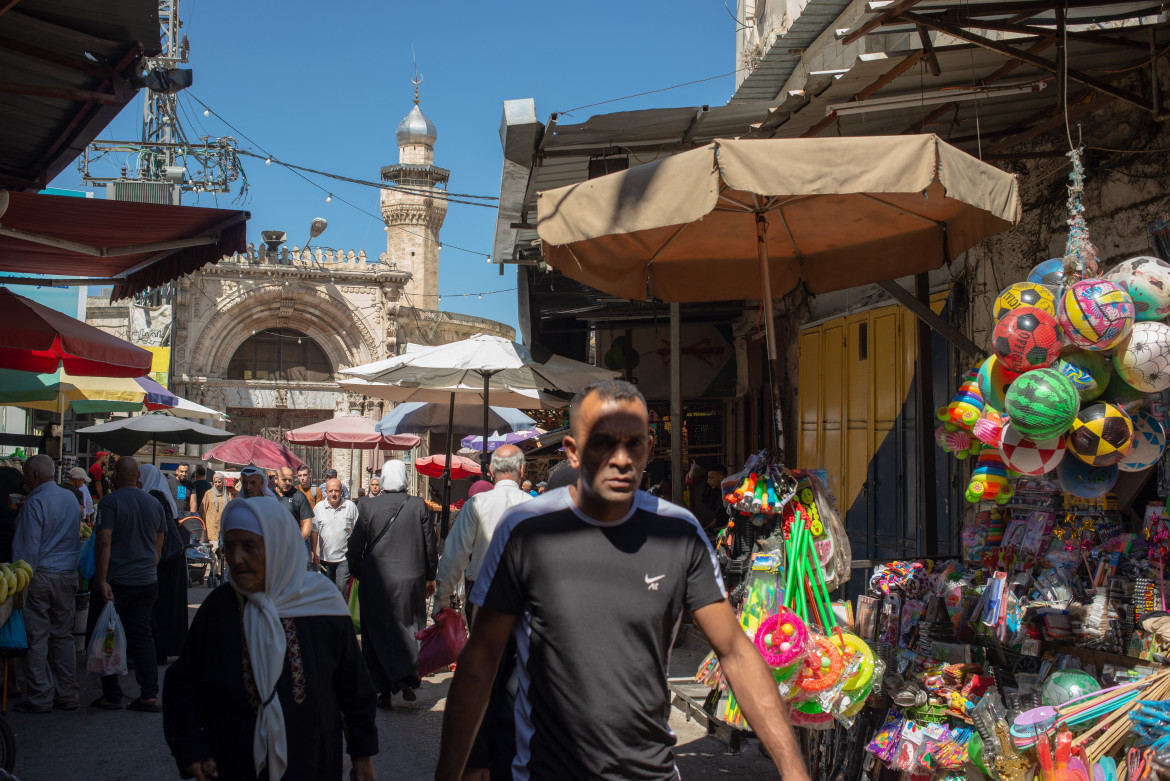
(269, 676)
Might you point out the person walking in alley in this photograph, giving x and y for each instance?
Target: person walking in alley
(333, 521)
(312, 493)
(593, 580)
(295, 501)
(46, 537)
(129, 531)
(170, 607)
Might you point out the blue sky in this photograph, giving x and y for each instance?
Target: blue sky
(325, 84)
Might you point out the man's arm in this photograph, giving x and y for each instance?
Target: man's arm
(467, 698)
(29, 528)
(101, 558)
(191, 494)
(754, 687)
(456, 555)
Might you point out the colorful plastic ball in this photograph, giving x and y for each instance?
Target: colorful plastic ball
(1147, 280)
(1042, 404)
(1101, 435)
(1089, 371)
(1143, 361)
(1095, 314)
(993, 380)
(788, 629)
(1023, 294)
(1088, 482)
(1028, 457)
(1066, 685)
(1149, 440)
(1026, 338)
(1050, 273)
(785, 647)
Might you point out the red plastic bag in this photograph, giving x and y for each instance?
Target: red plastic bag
(440, 643)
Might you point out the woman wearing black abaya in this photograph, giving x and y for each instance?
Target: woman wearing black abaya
(393, 555)
(170, 609)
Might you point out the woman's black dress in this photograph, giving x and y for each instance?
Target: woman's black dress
(210, 700)
(393, 577)
(170, 609)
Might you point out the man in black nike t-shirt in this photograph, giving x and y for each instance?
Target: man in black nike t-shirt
(592, 581)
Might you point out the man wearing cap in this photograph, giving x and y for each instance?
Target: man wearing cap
(97, 470)
(47, 538)
(541, 487)
(78, 478)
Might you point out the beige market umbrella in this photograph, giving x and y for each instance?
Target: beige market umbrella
(753, 219)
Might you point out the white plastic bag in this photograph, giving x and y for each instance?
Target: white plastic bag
(107, 647)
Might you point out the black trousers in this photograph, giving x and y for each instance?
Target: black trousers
(135, 607)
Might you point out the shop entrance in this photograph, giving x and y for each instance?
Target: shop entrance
(272, 423)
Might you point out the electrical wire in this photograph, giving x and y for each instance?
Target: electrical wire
(653, 91)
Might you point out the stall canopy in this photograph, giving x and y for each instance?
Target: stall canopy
(132, 246)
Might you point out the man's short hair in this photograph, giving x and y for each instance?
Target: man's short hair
(330, 473)
(304, 468)
(40, 465)
(608, 390)
(200, 472)
(507, 464)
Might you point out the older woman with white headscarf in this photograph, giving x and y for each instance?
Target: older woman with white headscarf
(271, 676)
(170, 609)
(393, 555)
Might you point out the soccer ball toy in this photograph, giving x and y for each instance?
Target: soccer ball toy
(1088, 482)
(1147, 281)
(1089, 371)
(1022, 455)
(1101, 435)
(1144, 360)
(1050, 273)
(1095, 314)
(1026, 338)
(1066, 685)
(1149, 440)
(1024, 294)
(1042, 404)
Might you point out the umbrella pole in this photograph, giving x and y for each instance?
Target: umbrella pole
(770, 330)
(445, 517)
(154, 451)
(484, 458)
(61, 439)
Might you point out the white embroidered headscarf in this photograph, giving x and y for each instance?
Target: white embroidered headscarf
(290, 590)
(394, 476)
(153, 480)
(255, 470)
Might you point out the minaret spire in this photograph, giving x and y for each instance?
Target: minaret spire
(417, 80)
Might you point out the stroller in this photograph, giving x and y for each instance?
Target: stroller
(203, 565)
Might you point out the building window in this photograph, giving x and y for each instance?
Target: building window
(281, 355)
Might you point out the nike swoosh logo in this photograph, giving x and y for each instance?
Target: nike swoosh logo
(650, 580)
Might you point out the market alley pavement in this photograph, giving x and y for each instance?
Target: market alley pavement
(92, 745)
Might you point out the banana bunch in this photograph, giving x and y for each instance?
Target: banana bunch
(14, 578)
(86, 531)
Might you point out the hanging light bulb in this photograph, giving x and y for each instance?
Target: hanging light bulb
(207, 112)
(489, 258)
(268, 161)
(480, 296)
(329, 198)
(440, 299)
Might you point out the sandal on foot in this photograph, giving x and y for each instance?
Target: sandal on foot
(409, 695)
(104, 704)
(140, 704)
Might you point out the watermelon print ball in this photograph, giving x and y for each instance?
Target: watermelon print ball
(1026, 338)
(1024, 294)
(1101, 435)
(1147, 281)
(1144, 360)
(1095, 314)
(1027, 457)
(1042, 404)
(1149, 440)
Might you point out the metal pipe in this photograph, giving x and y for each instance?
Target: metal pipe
(770, 330)
(676, 410)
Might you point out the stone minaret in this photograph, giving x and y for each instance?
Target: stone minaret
(413, 218)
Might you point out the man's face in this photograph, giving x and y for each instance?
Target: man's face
(714, 479)
(305, 476)
(610, 448)
(182, 471)
(375, 487)
(526, 485)
(333, 492)
(77, 482)
(253, 485)
(284, 481)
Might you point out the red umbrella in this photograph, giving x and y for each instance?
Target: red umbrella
(258, 451)
(433, 466)
(351, 431)
(37, 339)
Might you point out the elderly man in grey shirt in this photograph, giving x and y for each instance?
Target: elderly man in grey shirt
(47, 538)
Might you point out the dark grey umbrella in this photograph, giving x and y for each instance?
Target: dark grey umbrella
(126, 436)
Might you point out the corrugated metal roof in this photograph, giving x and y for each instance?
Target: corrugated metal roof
(778, 63)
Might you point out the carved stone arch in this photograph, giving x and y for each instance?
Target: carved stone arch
(334, 326)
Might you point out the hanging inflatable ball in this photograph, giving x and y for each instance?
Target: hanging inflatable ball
(1088, 482)
(1147, 281)
(1049, 273)
(1026, 338)
(1028, 457)
(1042, 404)
(1143, 361)
(1089, 371)
(1149, 440)
(1024, 294)
(1095, 314)
(994, 379)
(1101, 435)
(1066, 685)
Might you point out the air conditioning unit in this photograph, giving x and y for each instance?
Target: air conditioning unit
(144, 192)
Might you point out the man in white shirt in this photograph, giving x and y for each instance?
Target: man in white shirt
(471, 534)
(333, 522)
